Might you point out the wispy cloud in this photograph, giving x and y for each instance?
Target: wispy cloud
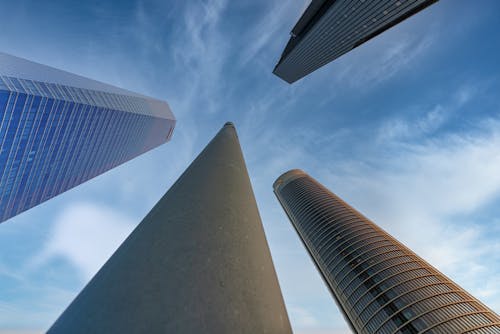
(85, 235)
(302, 317)
(381, 59)
(420, 191)
(273, 26)
(24, 314)
(399, 128)
(418, 123)
(200, 51)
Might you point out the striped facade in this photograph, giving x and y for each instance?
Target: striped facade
(330, 28)
(58, 130)
(380, 285)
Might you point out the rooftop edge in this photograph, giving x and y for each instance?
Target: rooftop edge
(287, 177)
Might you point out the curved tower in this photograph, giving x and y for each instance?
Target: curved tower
(380, 285)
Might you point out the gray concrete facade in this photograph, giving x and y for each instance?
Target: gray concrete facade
(198, 263)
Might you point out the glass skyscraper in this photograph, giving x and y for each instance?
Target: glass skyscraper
(58, 130)
(380, 285)
(330, 28)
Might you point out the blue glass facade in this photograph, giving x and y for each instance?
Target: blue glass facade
(54, 137)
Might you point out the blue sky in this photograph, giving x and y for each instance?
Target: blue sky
(406, 128)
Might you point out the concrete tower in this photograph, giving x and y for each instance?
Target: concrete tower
(198, 262)
(380, 285)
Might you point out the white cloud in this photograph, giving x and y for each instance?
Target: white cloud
(428, 194)
(34, 309)
(201, 50)
(401, 129)
(383, 57)
(264, 35)
(425, 123)
(85, 235)
(302, 317)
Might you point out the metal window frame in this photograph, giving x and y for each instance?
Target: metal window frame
(333, 258)
(372, 265)
(496, 323)
(457, 291)
(330, 261)
(392, 287)
(368, 251)
(444, 321)
(378, 272)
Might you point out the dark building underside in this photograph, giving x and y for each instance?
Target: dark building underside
(331, 28)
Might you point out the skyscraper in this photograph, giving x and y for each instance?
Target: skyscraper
(197, 263)
(330, 28)
(58, 130)
(380, 285)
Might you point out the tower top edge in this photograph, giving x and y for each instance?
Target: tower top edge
(21, 68)
(287, 177)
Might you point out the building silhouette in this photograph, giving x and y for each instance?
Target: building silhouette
(58, 130)
(198, 262)
(330, 28)
(380, 285)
